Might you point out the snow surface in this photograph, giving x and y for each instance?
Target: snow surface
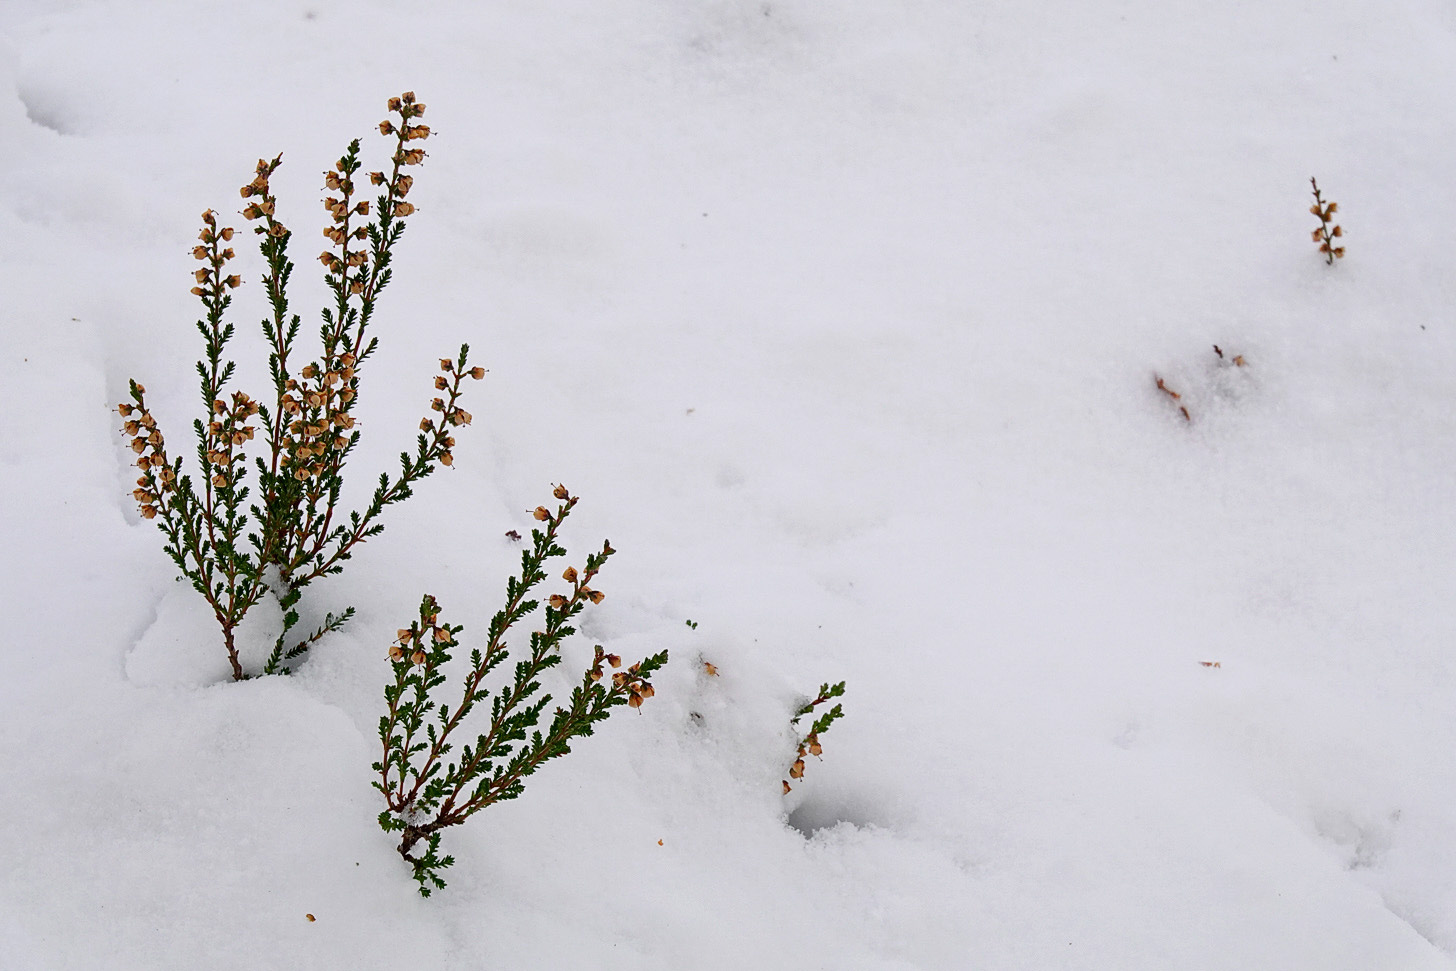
(843, 319)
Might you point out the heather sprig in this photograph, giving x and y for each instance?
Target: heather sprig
(295, 530)
(424, 789)
(1327, 232)
(809, 743)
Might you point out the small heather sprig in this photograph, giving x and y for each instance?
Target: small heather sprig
(295, 530)
(423, 792)
(1327, 232)
(809, 743)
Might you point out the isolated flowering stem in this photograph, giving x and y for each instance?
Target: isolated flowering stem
(1327, 232)
(424, 793)
(809, 743)
(294, 531)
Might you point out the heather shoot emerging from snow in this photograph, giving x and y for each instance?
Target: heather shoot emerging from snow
(1327, 232)
(424, 792)
(809, 744)
(294, 530)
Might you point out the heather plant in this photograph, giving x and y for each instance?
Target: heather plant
(1327, 232)
(809, 743)
(425, 790)
(239, 542)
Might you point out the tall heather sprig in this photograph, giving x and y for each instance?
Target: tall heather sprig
(295, 529)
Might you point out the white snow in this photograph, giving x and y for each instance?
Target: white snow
(843, 320)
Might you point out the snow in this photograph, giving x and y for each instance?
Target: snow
(843, 320)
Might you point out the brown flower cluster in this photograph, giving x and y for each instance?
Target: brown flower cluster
(229, 429)
(340, 211)
(319, 410)
(210, 279)
(639, 690)
(407, 108)
(267, 203)
(157, 475)
(1327, 232)
(407, 131)
(629, 680)
(409, 641)
(810, 746)
(449, 380)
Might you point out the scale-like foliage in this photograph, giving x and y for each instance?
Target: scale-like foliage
(425, 790)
